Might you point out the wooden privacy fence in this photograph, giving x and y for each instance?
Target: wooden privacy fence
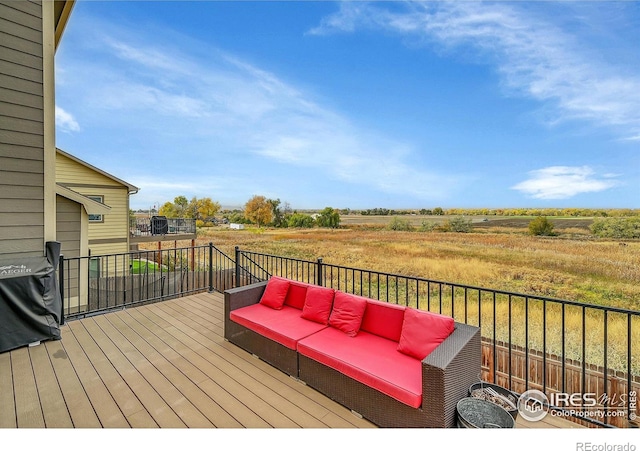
(519, 370)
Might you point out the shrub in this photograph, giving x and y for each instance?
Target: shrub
(616, 227)
(427, 226)
(541, 226)
(458, 224)
(400, 225)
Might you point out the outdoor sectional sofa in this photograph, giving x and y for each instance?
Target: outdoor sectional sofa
(394, 365)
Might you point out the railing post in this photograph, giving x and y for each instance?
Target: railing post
(210, 267)
(319, 272)
(237, 257)
(61, 287)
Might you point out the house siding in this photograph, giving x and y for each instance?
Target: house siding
(22, 140)
(112, 235)
(69, 234)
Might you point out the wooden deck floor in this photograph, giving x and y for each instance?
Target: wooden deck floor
(164, 365)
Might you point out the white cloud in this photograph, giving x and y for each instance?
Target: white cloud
(65, 121)
(534, 57)
(207, 104)
(564, 182)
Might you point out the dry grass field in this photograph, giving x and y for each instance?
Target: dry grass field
(583, 270)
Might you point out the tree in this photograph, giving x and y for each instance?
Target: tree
(541, 226)
(202, 209)
(177, 209)
(329, 217)
(438, 211)
(258, 210)
(276, 213)
(198, 209)
(300, 220)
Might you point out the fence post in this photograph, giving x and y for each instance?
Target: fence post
(319, 272)
(237, 249)
(210, 267)
(61, 287)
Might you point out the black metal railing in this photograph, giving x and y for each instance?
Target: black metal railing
(95, 284)
(529, 342)
(160, 226)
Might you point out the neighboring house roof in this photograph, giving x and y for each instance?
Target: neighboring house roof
(131, 188)
(92, 207)
(61, 12)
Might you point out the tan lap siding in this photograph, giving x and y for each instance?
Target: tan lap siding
(21, 130)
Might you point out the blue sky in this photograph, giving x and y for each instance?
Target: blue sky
(356, 104)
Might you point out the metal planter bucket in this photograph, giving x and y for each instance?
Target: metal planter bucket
(501, 391)
(474, 413)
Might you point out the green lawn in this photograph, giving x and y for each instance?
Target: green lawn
(145, 266)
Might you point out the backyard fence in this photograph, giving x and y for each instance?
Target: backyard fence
(528, 342)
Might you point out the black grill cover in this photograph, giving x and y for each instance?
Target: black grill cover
(159, 225)
(30, 302)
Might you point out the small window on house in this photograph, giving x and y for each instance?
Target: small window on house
(96, 218)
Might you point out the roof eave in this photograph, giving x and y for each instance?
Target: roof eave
(91, 206)
(62, 11)
(131, 188)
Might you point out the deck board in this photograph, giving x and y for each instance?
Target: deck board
(7, 404)
(126, 400)
(28, 409)
(81, 410)
(54, 409)
(161, 365)
(162, 414)
(106, 408)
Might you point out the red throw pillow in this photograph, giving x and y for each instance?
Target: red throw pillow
(317, 304)
(422, 332)
(275, 293)
(347, 313)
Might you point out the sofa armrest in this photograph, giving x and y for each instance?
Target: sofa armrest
(236, 298)
(449, 371)
(239, 297)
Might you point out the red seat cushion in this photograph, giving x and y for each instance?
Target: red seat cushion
(347, 313)
(283, 326)
(275, 292)
(369, 359)
(317, 304)
(423, 331)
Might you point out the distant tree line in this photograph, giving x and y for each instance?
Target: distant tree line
(564, 212)
(258, 210)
